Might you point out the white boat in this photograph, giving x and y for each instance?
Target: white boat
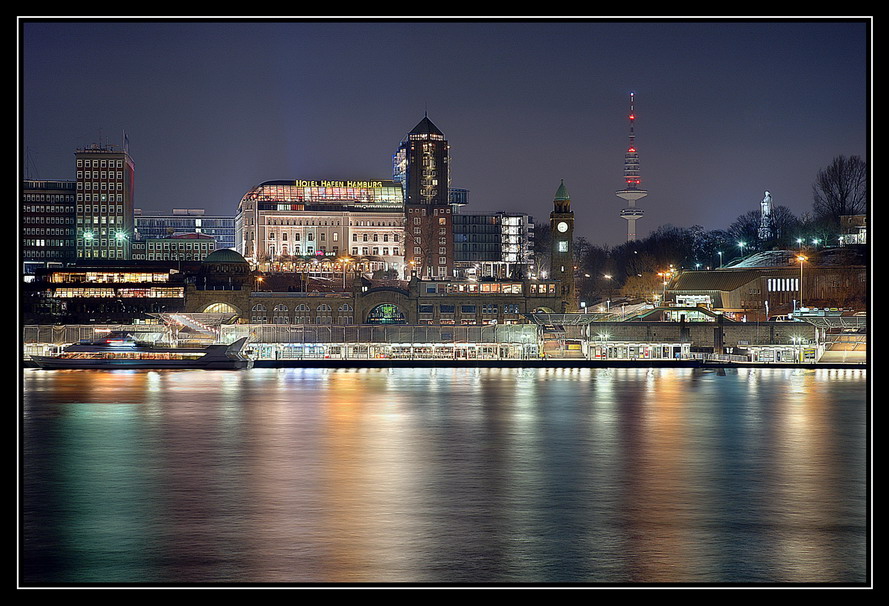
(122, 350)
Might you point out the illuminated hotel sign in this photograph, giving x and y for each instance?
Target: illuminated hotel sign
(302, 183)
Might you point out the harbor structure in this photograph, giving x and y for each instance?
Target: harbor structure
(562, 248)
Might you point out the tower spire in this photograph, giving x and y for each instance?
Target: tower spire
(632, 182)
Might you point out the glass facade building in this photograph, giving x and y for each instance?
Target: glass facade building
(496, 244)
(156, 225)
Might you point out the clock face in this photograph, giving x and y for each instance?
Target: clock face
(562, 226)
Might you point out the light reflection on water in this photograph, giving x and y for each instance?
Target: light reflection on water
(444, 476)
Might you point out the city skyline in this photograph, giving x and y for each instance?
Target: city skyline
(725, 109)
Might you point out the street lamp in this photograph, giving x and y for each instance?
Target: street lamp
(344, 263)
(719, 252)
(666, 276)
(802, 259)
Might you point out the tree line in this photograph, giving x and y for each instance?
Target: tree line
(636, 267)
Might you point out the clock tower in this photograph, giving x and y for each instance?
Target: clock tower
(561, 221)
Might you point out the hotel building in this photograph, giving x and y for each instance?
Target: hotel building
(304, 220)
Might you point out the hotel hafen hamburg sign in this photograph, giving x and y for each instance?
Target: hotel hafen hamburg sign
(359, 184)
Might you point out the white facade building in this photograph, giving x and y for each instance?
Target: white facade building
(303, 220)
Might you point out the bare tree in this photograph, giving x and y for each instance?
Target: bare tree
(425, 239)
(542, 244)
(646, 286)
(841, 189)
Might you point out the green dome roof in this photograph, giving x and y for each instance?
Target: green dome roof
(562, 192)
(224, 255)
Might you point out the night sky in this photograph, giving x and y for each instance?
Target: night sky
(725, 110)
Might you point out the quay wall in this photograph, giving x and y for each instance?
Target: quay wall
(713, 336)
(702, 335)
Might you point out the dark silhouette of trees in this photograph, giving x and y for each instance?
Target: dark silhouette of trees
(840, 189)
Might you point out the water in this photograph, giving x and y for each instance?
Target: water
(445, 476)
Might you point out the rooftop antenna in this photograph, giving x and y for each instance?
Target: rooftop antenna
(29, 165)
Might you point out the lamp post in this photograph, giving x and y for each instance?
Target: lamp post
(802, 259)
(344, 262)
(666, 275)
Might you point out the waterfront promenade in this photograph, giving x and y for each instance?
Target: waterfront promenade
(610, 345)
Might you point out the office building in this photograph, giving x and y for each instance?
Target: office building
(498, 244)
(47, 224)
(188, 246)
(104, 208)
(157, 224)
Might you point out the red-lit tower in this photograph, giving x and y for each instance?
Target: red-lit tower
(632, 190)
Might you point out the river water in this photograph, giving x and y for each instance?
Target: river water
(445, 476)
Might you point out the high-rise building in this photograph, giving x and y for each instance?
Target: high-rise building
(421, 166)
(104, 211)
(632, 190)
(561, 221)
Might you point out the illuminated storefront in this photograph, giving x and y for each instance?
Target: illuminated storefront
(626, 350)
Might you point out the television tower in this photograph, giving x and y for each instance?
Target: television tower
(632, 191)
